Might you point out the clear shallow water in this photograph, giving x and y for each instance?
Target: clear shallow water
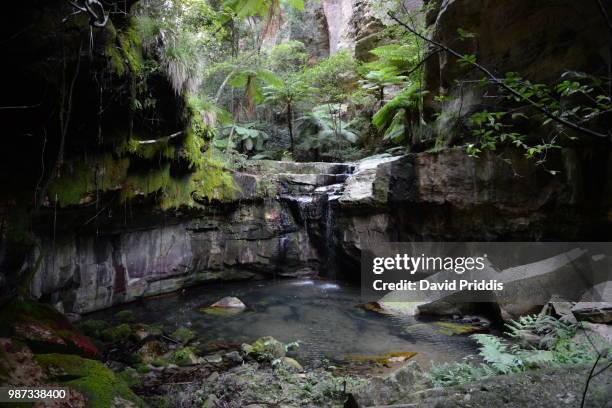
(324, 316)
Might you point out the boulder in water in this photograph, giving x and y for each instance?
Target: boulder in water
(227, 306)
(229, 301)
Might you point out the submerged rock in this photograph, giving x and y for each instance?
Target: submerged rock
(454, 328)
(229, 301)
(388, 359)
(228, 306)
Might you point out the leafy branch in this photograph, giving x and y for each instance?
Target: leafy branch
(471, 60)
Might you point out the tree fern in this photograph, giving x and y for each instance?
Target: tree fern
(407, 98)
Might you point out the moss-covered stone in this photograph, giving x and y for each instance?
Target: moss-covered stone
(184, 357)
(93, 327)
(221, 311)
(265, 349)
(183, 334)
(97, 383)
(125, 316)
(452, 328)
(151, 351)
(130, 376)
(394, 357)
(117, 333)
(43, 328)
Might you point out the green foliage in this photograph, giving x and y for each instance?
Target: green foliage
(577, 98)
(260, 8)
(391, 118)
(323, 129)
(558, 346)
(130, 377)
(125, 53)
(183, 356)
(288, 57)
(289, 92)
(246, 135)
(335, 77)
(116, 334)
(93, 328)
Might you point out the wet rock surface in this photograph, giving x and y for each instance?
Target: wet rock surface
(302, 219)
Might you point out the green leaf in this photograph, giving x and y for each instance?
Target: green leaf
(463, 35)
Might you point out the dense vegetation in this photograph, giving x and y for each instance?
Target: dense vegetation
(258, 100)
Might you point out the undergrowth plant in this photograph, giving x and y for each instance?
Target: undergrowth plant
(558, 346)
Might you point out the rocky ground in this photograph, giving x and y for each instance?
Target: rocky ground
(129, 364)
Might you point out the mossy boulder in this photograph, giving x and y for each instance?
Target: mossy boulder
(116, 334)
(453, 328)
(92, 327)
(43, 328)
(142, 332)
(151, 351)
(125, 316)
(130, 376)
(265, 349)
(184, 357)
(183, 334)
(291, 363)
(96, 382)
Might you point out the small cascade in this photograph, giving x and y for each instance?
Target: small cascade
(311, 198)
(330, 237)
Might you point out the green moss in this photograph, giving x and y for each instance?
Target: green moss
(124, 52)
(84, 175)
(142, 368)
(153, 181)
(125, 316)
(115, 60)
(130, 376)
(221, 311)
(41, 326)
(117, 333)
(95, 381)
(93, 327)
(183, 356)
(183, 334)
(451, 328)
(159, 362)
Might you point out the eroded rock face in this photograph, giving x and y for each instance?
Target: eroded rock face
(93, 272)
(338, 15)
(298, 219)
(539, 39)
(449, 196)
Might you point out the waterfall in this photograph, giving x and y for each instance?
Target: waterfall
(330, 238)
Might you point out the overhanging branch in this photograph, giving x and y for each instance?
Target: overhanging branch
(499, 82)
